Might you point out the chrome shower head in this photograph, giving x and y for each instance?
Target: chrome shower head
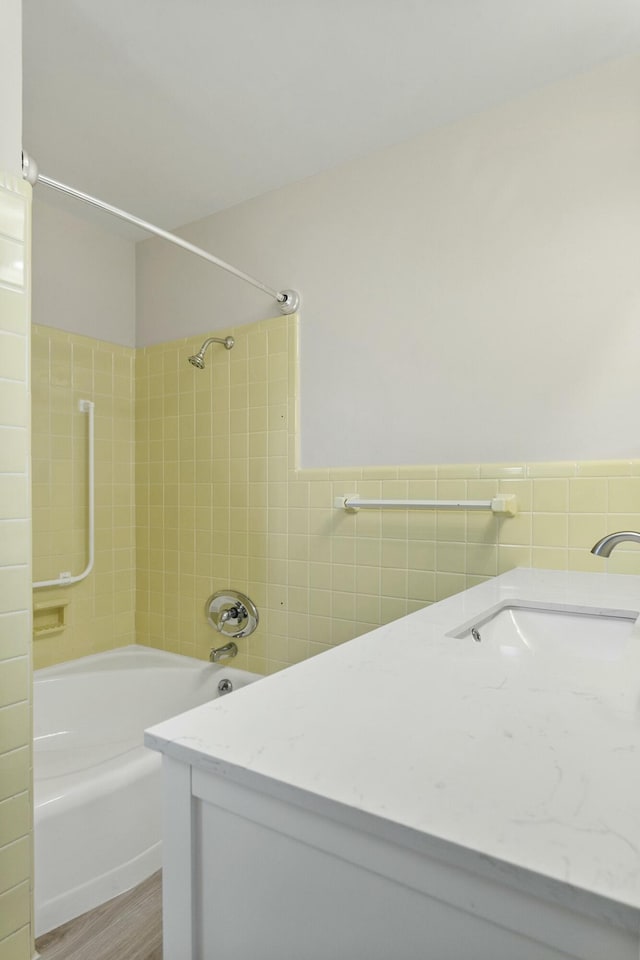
(198, 358)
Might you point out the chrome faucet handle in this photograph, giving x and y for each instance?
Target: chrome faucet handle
(231, 613)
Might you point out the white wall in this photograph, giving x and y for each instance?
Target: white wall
(83, 276)
(11, 87)
(471, 295)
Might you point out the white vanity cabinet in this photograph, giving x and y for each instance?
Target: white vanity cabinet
(249, 876)
(411, 797)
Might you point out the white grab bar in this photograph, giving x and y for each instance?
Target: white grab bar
(65, 579)
(503, 503)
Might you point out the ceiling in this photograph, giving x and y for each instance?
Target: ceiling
(174, 109)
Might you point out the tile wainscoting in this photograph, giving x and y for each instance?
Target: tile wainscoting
(220, 503)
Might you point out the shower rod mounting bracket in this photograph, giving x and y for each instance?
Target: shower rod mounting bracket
(291, 302)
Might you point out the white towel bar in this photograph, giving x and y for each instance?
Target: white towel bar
(506, 504)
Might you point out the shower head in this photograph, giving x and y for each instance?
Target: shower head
(198, 358)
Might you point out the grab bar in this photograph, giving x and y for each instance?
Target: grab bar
(65, 579)
(506, 504)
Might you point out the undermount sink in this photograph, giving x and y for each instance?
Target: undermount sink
(518, 628)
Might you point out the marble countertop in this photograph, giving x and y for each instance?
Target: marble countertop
(527, 761)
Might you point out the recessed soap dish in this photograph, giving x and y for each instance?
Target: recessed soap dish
(48, 618)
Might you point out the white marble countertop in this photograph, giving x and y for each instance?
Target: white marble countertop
(526, 761)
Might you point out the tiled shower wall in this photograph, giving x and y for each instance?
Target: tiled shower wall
(212, 456)
(15, 573)
(99, 611)
(220, 503)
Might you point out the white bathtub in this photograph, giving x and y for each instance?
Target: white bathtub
(96, 787)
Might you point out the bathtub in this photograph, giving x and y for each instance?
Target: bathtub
(97, 789)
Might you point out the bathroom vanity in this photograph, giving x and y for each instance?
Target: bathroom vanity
(461, 784)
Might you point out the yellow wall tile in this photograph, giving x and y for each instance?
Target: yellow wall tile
(624, 495)
(13, 449)
(13, 215)
(15, 772)
(515, 531)
(587, 495)
(536, 470)
(14, 540)
(504, 471)
(605, 468)
(15, 588)
(13, 357)
(483, 489)
(585, 529)
(421, 554)
(15, 909)
(12, 311)
(448, 584)
(15, 864)
(421, 586)
(482, 559)
(14, 497)
(17, 945)
(367, 608)
(550, 529)
(625, 561)
(452, 525)
(394, 554)
(15, 679)
(550, 558)
(551, 496)
(11, 262)
(582, 560)
(510, 557)
(451, 557)
(15, 818)
(13, 403)
(393, 583)
(451, 489)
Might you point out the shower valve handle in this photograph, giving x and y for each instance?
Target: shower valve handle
(231, 613)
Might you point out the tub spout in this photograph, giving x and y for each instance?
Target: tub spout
(223, 653)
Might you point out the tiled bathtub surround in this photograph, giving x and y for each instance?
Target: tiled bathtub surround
(220, 503)
(67, 368)
(15, 572)
(212, 468)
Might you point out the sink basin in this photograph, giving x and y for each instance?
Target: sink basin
(516, 629)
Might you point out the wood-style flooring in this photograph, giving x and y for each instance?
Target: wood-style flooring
(129, 927)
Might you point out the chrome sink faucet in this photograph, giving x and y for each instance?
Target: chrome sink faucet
(604, 547)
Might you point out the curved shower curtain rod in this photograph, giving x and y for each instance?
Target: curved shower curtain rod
(288, 300)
